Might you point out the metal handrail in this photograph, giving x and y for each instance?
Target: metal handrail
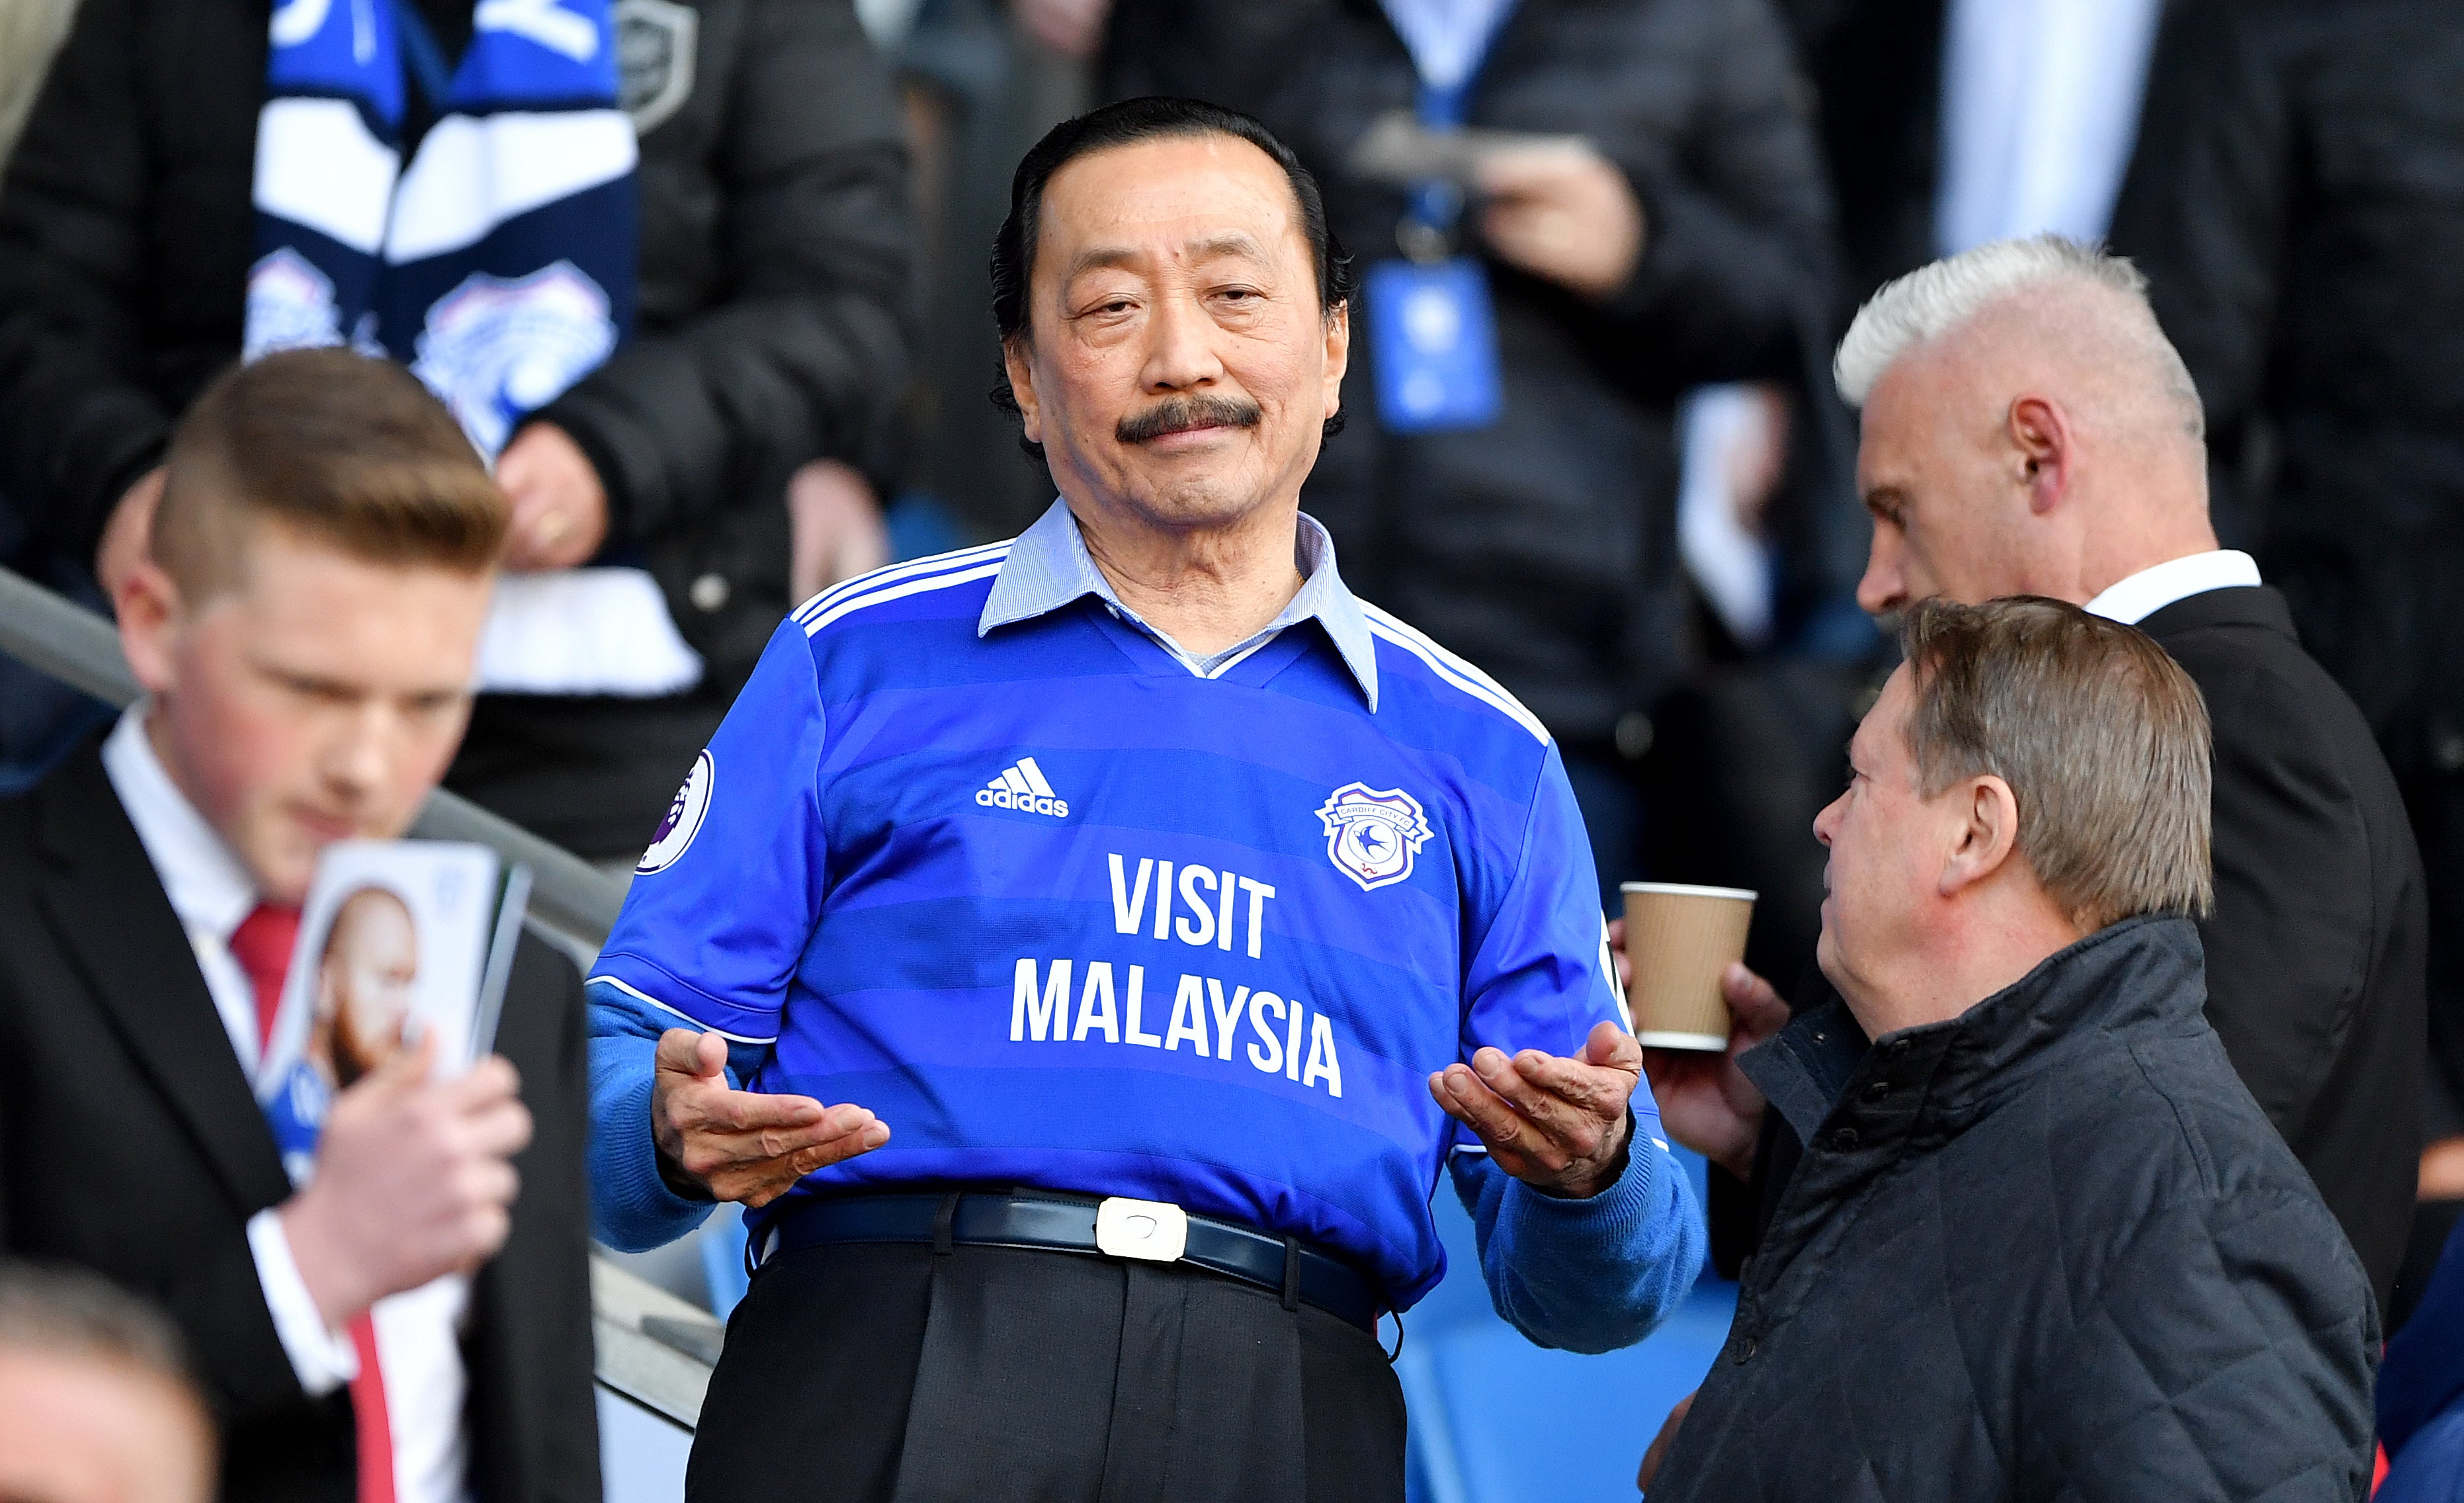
(639, 1331)
(54, 635)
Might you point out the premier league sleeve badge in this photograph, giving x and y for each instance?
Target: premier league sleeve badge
(1372, 836)
(685, 814)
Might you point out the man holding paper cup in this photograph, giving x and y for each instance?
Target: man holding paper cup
(2044, 1243)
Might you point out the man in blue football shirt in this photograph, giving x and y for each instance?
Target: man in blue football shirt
(1181, 913)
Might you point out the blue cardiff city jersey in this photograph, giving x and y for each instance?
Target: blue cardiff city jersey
(1065, 914)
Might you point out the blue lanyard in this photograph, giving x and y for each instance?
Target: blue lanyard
(1437, 206)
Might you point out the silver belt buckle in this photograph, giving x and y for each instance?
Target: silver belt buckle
(1155, 1231)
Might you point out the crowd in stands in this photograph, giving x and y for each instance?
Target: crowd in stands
(1708, 371)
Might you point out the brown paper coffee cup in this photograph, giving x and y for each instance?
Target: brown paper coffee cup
(1678, 940)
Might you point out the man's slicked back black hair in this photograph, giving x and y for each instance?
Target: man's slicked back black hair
(1123, 124)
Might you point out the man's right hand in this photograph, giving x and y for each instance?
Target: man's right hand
(1705, 1101)
(743, 1145)
(413, 1182)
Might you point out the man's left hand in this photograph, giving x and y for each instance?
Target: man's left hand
(1559, 1125)
(1562, 211)
(559, 507)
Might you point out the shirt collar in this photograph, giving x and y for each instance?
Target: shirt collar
(208, 888)
(1048, 567)
(2134, 599)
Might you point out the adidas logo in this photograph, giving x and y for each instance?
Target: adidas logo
(1021, 786)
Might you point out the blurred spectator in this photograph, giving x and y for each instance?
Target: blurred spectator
(1948, 124)
(2421, 1393)
(1064, 28)
(658, 337)
(984, 80)
(30, 32)
(1232, 54)
(1669, 230)
(94, 1402)
(1943, 124)
(413, 1317)
(2043, 1244)
(2297, 205)
(40, 718)
(1747, 750)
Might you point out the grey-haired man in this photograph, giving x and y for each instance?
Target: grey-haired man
(2029, 429)
(2043, 1244)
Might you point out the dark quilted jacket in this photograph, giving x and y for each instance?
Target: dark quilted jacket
(2049, 1249)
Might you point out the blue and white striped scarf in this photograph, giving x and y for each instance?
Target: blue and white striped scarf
(498, 263)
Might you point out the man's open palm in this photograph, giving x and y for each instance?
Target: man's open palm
(743, 1145)
(1557, 1124)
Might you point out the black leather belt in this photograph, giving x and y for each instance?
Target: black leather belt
(1142, 1230)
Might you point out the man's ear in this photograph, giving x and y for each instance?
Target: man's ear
(2041, 433)
(151, 617)
(1338, 355)
(1021, 386)
(1987, 834)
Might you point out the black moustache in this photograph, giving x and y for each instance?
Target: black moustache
(1179, 414)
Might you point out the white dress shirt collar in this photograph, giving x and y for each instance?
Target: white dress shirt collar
(208, 888)
(2132, 599)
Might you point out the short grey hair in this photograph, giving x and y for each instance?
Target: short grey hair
(1938, 297)
(2102, 736)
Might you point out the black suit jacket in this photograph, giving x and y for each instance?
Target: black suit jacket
(2316, 949)
(2315, 953)
(130, 1143)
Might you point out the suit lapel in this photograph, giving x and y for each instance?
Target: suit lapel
(99, 891)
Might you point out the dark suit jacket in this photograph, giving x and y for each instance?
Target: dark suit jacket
(2321, 929)
(2316, 950)
(130, 1143)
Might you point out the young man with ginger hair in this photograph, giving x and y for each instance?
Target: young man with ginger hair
(410, 1322)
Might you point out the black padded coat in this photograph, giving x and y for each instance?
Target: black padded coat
(2048, 1249)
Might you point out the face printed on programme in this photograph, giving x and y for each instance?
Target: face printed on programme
(364, 984)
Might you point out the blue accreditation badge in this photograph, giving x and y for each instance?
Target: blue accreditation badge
(1434, 336)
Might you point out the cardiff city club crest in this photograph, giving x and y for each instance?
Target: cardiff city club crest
(496, 348)
(1372, 836)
